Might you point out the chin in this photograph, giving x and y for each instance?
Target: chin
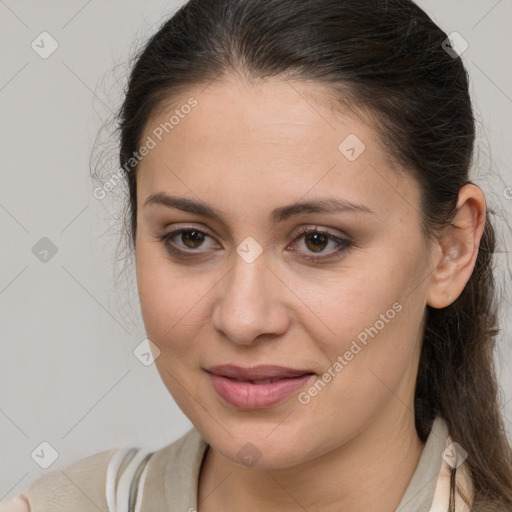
(261, 447)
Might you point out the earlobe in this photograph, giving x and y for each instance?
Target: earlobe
(458, 248)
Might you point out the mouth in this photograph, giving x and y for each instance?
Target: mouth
(257, 373)
(264, 381)
(257, 387)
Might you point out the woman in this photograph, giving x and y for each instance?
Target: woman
(313, 266)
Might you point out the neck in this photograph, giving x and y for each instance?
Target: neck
(370, 472)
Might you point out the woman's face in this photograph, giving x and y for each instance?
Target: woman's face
(242, 288)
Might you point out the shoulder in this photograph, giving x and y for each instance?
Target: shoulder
(110, 479)
(77, 486)
(17, 504)
(183, 451)
(172, 475)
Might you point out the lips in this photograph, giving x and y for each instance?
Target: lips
(257, 387)
(257, 373)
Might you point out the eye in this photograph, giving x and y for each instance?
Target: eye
(183, 243)
(189, 239)
(316, 240)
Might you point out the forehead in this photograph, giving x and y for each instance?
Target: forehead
(268, 139)
(273, 114)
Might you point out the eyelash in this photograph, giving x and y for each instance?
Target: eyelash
(342, 243)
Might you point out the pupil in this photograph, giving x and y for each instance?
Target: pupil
(195, 236)
(319, 238)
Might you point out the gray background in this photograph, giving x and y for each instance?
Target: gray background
(68, 374)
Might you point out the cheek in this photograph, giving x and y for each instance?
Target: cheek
(370, 313)
(173, 299)
(370, 360)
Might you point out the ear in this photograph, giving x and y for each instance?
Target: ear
(457, 249)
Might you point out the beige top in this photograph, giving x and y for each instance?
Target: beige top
(168, 480)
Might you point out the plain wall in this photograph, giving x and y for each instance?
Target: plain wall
(68, 375)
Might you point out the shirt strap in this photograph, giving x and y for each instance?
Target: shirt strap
(124, 486)
(454, 489)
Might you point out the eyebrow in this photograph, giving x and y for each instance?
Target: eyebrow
(281, 214)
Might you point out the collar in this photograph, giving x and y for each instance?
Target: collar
(175, 469)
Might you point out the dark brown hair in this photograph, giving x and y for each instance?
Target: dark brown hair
(389, 59)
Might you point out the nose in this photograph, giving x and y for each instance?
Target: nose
(250, 306)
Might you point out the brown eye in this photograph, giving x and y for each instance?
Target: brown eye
(184, 242)
(316, 241)
(196, 238)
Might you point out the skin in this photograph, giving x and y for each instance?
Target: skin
(245, 150)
